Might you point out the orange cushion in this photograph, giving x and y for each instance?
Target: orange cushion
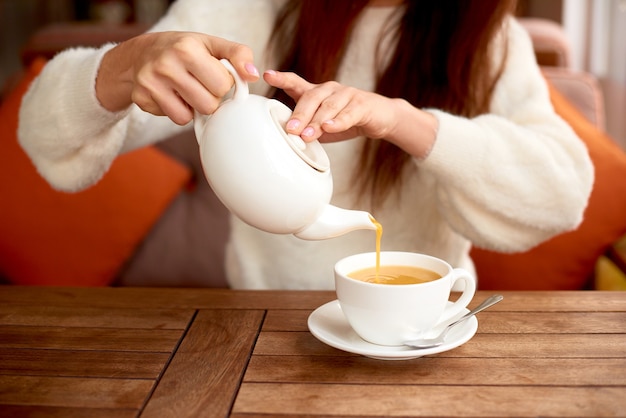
(568, 260)
(54, 238)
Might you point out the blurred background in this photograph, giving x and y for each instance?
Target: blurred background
(21, 19)
(594, 29)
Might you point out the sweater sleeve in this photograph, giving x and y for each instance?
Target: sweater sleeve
(517, 176)
(73, 140)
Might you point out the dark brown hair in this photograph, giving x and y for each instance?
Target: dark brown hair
(441, 61)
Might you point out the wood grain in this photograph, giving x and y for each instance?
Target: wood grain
(481, 345)
(493, 322)
(433, 370)
(155, 298)
(209, 365)
(83, 361)
(113, 364)
(30, 411)
(61, 316)
(122, 352)
(75, 338)
(78, 392)
(425, 400)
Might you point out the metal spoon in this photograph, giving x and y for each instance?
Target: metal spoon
(434, 342)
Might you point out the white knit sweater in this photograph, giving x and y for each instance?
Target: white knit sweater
(504, 181)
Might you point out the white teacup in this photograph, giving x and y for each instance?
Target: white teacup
(390, 314)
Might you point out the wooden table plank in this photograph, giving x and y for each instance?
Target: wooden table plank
(278, 399)
(156, 298)
(204, 375)
(481, 345)
(552, 322)
(114, 364)
(75, 392)
(543, 346)
(558, 301)
(493, 322)
(75, 338)
(286, 320)
(284, 343)
(438, 371)
(21, 411)
(43, 315)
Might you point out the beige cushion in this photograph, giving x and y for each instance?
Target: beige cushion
(186, 246)
(549, 41)
(582, 90)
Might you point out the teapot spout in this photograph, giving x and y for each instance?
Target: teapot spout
(334, 222)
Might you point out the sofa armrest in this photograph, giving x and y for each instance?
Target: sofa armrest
(582, 90)
(550, 43)
(553, 54)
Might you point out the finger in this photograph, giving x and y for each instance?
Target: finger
(175, 108)
(348, 117)
(197, 56)
(291, 83)
(331, 107)
(239, 55)
(163, 102)
(205, 84)
(358, 118)
(345, 124)
(187, 70)
(319, 104)
(199, 97)
(339, 136)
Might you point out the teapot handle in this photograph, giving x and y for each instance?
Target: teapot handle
(241, 93)
(241, 86)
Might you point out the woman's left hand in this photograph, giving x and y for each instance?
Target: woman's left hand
(333, 112)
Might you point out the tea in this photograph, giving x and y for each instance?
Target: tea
(379, 235)
(393, 274)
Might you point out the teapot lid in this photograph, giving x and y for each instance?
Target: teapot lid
(311, 152)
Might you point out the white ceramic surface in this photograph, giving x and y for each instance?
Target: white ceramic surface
(391, 314)
(329, 325)
(271, 180)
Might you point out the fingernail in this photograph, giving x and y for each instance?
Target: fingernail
(270, 72)
(251, 69)
(293, 124)
(329, 122)
(308, 131)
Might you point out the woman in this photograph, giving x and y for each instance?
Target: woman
(434, 114)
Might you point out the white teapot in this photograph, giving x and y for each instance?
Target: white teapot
(271, 180)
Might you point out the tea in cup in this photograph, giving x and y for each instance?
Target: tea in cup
(406, 298)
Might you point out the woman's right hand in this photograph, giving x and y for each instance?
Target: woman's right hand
(171, 73)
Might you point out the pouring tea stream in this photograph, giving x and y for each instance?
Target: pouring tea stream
(268, 178)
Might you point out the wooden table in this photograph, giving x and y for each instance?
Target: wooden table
(125, 352)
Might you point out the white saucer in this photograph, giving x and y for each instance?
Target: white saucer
(328, 324)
